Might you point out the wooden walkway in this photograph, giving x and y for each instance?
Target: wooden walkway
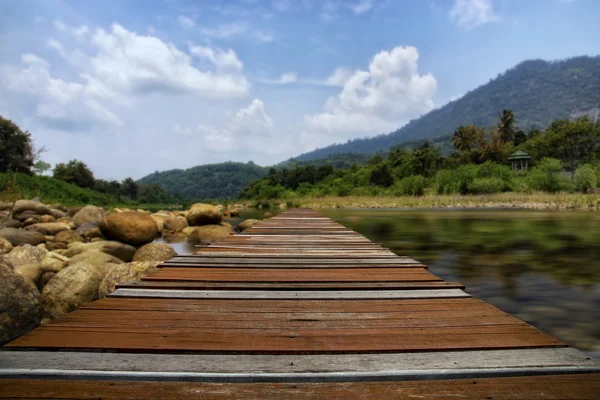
(296, 307)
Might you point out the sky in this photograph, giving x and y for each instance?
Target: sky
(135, 86)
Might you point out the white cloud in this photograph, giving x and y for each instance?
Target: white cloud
(361, 7)
(471, 13)
(264, 37)
(456, 97)
(285, 78)
(130, 64)
(383, 98)
(80, 32)
(339, 77)
(186, 22)
(56, 45)
(226, 31)
(61, 104)
(59, 25)
(223, 60)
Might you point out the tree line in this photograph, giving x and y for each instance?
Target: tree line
(565, 157)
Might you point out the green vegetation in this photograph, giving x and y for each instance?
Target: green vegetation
(478, 166)
(541, 91)
(50, 190)
(17, 152)
(211, 181)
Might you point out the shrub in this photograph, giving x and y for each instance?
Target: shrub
(585, 179)
(413, 185)
(464, 175)
(445, 182)
(486, 186)
(546, 176)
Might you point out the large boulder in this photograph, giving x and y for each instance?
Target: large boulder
(94, 257)
(30, 205)
(20, 308)
(203, 214)
(122, 251)
(129, 227)
(68, 237)
(175, 224)
(5, 246)
(32, 272)
(53, 262)
(49, 228)
(19, 236)
(89, 215)
(25, 254)
(207, 234)
(130, 272)
(73, 287)
(154, 252)
(247, 224)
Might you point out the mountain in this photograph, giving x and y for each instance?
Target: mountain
(210, 181)
(537, 91)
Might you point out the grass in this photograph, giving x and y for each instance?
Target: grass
(541, 200)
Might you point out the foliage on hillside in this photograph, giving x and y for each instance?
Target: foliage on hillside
(478, 165)
(50, 190)
(539, 91)
(337, 160)
(211, 181)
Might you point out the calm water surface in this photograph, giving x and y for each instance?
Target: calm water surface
(542, 267)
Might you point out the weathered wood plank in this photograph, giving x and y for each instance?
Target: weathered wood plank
(298, 285)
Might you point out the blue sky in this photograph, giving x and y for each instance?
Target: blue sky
(131, 87)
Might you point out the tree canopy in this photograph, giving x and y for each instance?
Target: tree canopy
(16, 148)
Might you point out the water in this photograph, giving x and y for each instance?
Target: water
(541, 267)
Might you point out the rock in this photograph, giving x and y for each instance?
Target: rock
(27, 216)
(56, 246)
(175, 224)
(73, 287)
(18, 236)
(10, 223)
(49, 228)
(94, 257)
(129, 227)
(53, 262)
(89, 215)
(33, 272)
(207, 234)
(59, 207)
(247, 224)
(268, 214)
(68, 237)
(159, 218)
(177, 237)
(154, 252)
(20, 308)
(25, 254)
(5, 246)
(30, 205)
(189, 230)
(45, 278)
(57, 214)
(130, 272)
(47, 218)
(90, 231)
(96, 239)
(74, 210)
(203, 214)
(120, 250)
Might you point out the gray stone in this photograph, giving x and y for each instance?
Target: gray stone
(19, 236)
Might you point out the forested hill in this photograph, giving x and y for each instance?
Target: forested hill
(210, 181)
(537, 91)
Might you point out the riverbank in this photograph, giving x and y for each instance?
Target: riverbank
(534, 201)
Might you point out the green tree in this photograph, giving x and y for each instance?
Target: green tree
(585, 179)
(381, 175)
(129, 188)
(506, 126)
(40, 167)
(75, 172)
(16, 148)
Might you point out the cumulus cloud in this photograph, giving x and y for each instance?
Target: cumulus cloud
(384, 97)
(471, 13)
(339, 77)
(60, 104)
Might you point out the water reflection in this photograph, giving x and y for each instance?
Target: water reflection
(541, 267)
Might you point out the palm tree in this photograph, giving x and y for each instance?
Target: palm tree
(506, 126)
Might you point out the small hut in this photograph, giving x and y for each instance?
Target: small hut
(519, 160)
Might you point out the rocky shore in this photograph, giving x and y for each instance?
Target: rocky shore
(54, 259)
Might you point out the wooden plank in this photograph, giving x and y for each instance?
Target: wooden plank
(287, 266)
(265, 364)
(580, 386)
(290, 294)
(178, 285)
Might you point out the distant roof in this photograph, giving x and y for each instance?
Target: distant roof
(519, 155)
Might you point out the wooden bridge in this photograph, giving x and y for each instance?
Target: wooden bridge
(296, 307)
